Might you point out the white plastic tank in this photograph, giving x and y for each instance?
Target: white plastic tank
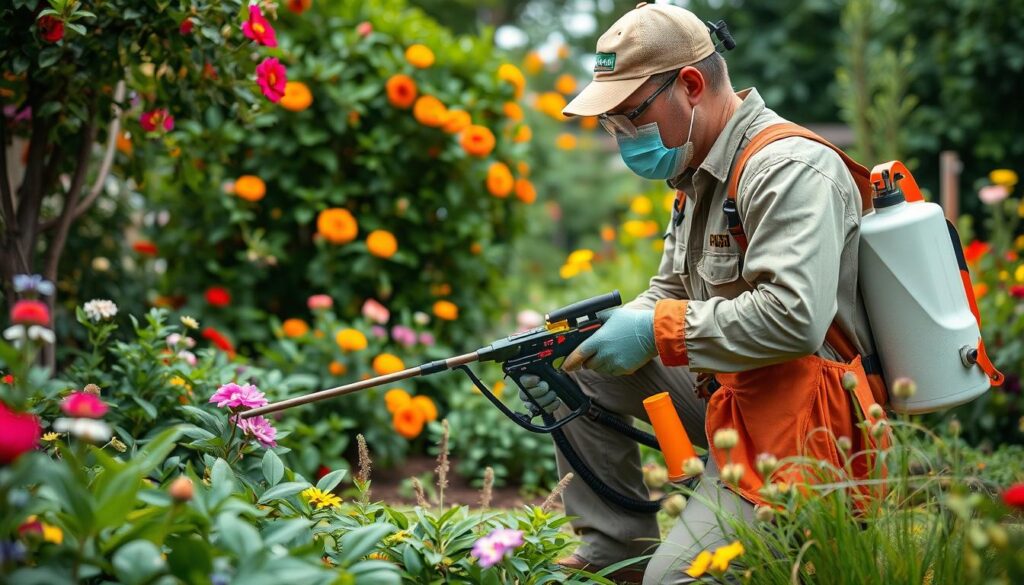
(915, 300)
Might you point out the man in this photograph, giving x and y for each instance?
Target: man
(754, 312)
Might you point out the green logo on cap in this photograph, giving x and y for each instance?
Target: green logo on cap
(605, 62)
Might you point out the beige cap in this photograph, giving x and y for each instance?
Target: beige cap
(650, 39)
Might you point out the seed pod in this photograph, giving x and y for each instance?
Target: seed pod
(674, 505)
(181, 489)
(693, 466)
(726, 438)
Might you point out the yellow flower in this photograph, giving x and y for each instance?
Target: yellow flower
(497, 389)
(510, 73)
(52, 534)
(1019, 242)
(580, 256)
(1004, 177)
(321, 499)
(1004, 275)
(565, 84)
(563, 52)
(350, 339)
(566, 141)
(700, 565)
(533, 63)
(419, 56)
(641, 205)
(640, 228)
(48, 437)
(1020, 208)
(387, 363)
(669, 201)
(551, 103)
(723, 555)
(658, 245)
(1019, 273)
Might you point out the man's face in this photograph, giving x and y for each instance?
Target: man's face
(670, 109)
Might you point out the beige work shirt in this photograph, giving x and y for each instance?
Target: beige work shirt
(801, 212)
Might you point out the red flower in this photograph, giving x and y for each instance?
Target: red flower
(271, 77)
(218, 339)
(258, 28)
(153, 120)
(51, 27)
(209, 71)
(1017, 290)
(1014, 495)
(19, 432)
(30, 312)
(364, 29)
(218, 296)
(8, 379)
(975, 250)
(145, 247)
(83, 405)
(299, 6)
(186, 26)
(322, 471)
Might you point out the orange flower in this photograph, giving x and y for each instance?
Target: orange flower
(250, 187)
(395, 399)
(124, 143)
(337, 368)
(533, 63)
(350, 339)
(457, 121)
(297, 96)
(552, 104)
(294, 328)
(477, 140)
(337, 225)
(401, 91)
(980, 290)
(510, 73)
(563, 52)
(566, 141)
(523, 134)
(523, 167)
(446, 310)
(499, 180)
(426, 406)
(441, 290)
(387, 363)
(607, 233)
(525, 191)
(382, 243)
(408, 421)
(588, 122)
(429, 111)
(475, 248)
(513, 111)
(419, 56)
(565, 84)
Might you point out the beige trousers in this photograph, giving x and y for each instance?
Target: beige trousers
(611, 534)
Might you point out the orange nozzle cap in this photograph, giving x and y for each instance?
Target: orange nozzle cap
(675, 444)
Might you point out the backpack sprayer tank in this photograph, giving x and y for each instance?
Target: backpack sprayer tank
(913, 280)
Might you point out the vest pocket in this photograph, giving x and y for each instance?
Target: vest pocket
(717, 268)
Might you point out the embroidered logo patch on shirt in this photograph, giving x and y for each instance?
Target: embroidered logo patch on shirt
(605, 62)
(718, 240)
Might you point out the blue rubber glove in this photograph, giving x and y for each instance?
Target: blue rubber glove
(621, 346)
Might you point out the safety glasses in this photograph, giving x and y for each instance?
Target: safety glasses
(616, 124)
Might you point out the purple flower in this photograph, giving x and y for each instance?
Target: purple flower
(258, 428)
(233, 396)
(490, 549)
(403, 335)
(379, 332)
(427, 339)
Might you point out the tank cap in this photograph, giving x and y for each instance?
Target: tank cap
(888, 193)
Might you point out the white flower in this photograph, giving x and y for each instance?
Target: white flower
(87, 429)
(189, 357)
(18, 333)
(175, 338)
(189, 322)
(726, 438)
(100, 310)
(100, 264)
(420, 318)
(693, 466)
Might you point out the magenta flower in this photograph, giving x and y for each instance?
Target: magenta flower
(319, 302)
(375, 311)
(271, 77)
(233, 396)
(490, 549)
(427, 339)
(403, 335)
(258, 28)
(83, 405)
(154, 120)
(378, 332)
(258, 428)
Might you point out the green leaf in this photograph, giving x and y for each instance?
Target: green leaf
(138, 562)
(283, 490)
(238, 536)
(189, 558)
(331, 480)
(273, 469)
(49, 56)
(361, 541)
(222, 480)
(285, 531)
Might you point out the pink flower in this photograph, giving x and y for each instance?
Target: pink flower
(376, 312)
(427, 339)
(378, 332)
(258, 428)
(30, 312)
(19, 432)
(993, 194)
(153, 120)
(271, 77)
(258, 28)
(319, 302)
(233, 396)
(189, 357)
(403, 335)
(364, 29)
(83, 405)
(491, 549)
(175, 338)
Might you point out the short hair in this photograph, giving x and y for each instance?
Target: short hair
(712, 67)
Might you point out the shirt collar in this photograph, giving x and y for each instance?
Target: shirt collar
(719, 159)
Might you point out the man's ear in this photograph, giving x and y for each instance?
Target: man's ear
(692, 80)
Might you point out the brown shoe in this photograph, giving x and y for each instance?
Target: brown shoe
(625, 575)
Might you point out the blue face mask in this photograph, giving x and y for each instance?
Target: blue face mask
(646, 155)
